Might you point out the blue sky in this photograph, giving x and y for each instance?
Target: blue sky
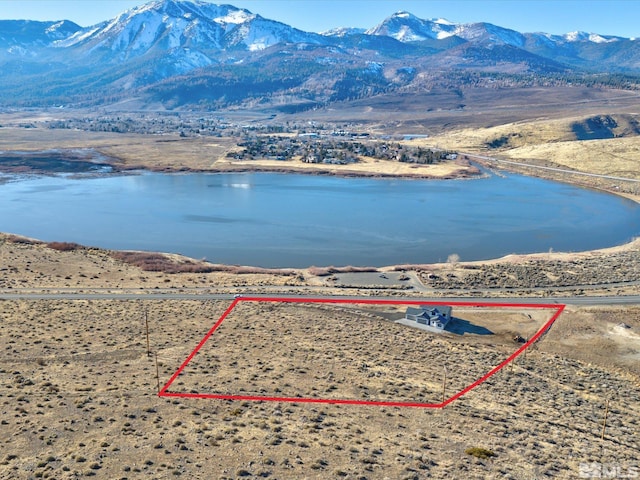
(609, 17)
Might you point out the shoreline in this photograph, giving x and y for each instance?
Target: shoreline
(632, 244)
(467, 171)
(140, 258)
(243, 168)
(446, 170)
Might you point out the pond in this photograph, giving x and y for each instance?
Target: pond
(291, 220)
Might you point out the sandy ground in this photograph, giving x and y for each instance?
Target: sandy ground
(365, 167)
(78, 393)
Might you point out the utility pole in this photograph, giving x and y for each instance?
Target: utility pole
(146, 323)
(444, 384)
(604, 422)
(157, 371)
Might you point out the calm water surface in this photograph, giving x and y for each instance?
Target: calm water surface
(277, 220)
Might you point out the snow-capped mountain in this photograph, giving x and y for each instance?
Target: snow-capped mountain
(405, 27)
(173, 37)
(182, 52)
(167, 25)
(26, 36)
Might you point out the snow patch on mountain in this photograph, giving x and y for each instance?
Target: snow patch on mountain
(235, 17)
(61, 29)
(443, 21)
(406, 27)
(489, 33)
(589, 37)
(342, 32)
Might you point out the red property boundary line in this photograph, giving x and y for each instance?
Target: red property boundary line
(164, 392)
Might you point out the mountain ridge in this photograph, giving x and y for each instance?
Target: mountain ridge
(158, 43)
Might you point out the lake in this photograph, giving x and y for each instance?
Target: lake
(290, 220)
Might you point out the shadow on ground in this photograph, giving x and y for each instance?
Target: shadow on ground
(460, 326)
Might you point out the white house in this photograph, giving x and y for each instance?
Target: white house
(434, 318)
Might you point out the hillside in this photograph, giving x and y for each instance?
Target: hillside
(604, 144)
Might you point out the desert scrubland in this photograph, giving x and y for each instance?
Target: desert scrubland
(79, 388)
(79, 393)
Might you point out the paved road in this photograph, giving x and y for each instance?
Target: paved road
(198, 294)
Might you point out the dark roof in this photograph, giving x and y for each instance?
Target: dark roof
(441, 309)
